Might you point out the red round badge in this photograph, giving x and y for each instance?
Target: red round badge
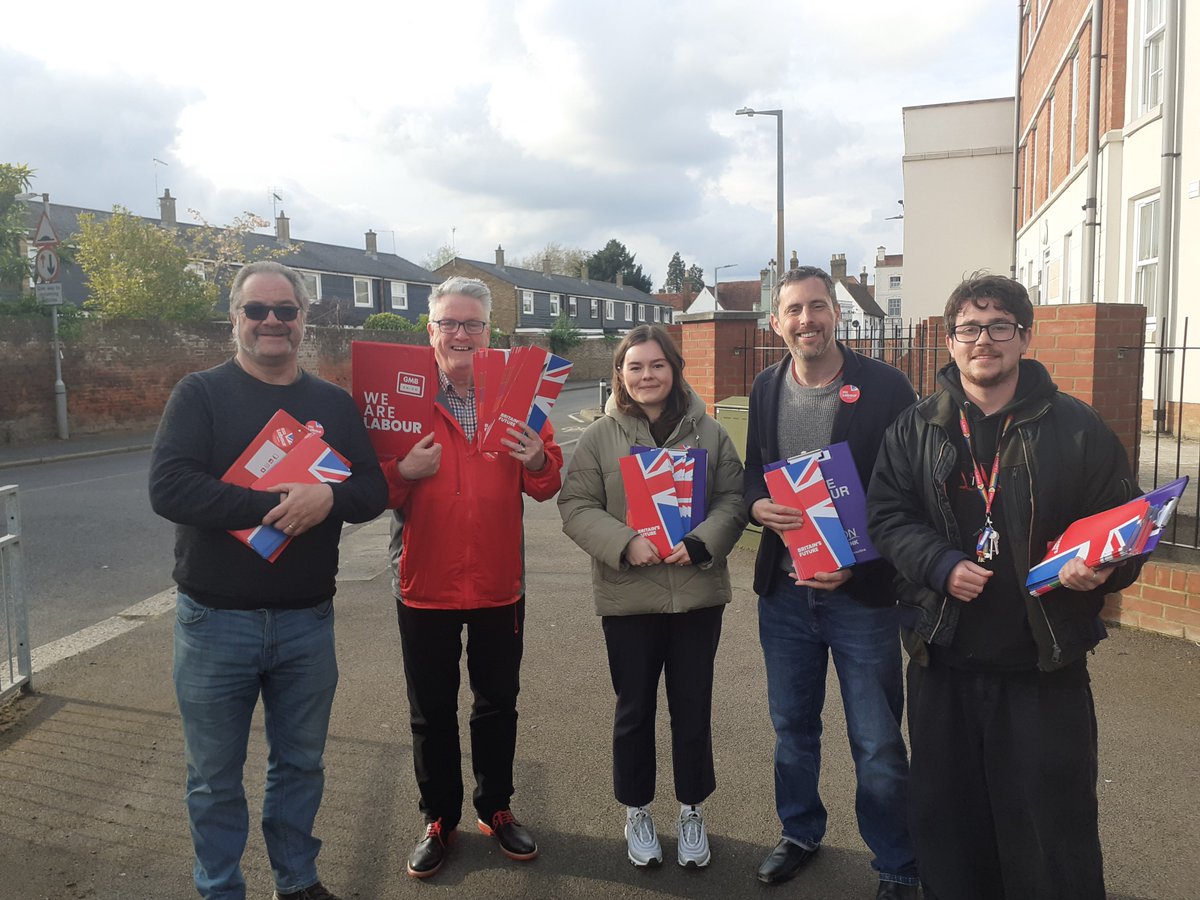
(849, 393)
(315, 427)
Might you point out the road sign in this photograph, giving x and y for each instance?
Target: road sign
(45, 232)
(49, 294)
(47, 264)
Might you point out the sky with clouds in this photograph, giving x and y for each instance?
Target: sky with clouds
(502, 122)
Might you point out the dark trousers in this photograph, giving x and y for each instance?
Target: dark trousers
(431, 640)
(1002, 793)
(639, 649)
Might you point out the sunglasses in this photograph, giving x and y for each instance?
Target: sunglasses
(258, 312)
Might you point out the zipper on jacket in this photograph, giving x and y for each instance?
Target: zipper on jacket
(949, 531)
(1055, 651)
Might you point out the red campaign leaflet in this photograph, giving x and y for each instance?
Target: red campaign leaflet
(487, 367)
(311, 462)
(281, 433)
(514, 398)
(690, 466)
(394, 386)
(819, 545)
(1109, 537)
(651, 505)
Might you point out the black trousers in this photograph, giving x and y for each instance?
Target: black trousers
(1002, 790)
(431, 640)
(639, 649)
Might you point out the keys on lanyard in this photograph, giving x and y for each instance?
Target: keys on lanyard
(988, 544)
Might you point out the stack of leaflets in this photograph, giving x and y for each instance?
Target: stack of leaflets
(283, 452)
(665, 493)
(825, 486)
(1107, 538)
(394, 386)
(514, 387)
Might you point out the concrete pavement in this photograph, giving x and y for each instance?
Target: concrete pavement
(91, 764)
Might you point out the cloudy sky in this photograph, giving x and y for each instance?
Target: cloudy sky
(511, 122)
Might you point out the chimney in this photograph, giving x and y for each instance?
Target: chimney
(372, 244)
(546, 264)
(166, 209)
(880, 255)
(500, 256)
(863, 275)
(583, 272)
(793, 263)
(837, 267)
(283, 232)
(620, 279)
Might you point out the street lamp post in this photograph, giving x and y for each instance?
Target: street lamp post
(717, 280)
(778, 113)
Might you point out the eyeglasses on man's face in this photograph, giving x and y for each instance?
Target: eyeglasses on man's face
(997, 331)
(450, 326)
(258, 312)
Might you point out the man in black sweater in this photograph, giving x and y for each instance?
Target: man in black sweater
(246, 626)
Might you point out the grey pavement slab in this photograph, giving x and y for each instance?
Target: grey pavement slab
(91, 764)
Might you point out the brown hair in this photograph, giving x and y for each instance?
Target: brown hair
(1006, 294)
(676, 403)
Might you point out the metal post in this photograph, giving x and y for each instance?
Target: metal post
(779, 204)
(60, 389)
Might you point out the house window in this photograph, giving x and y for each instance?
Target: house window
(527, 302)
(666, 316)
(1032, 171)
(573, 304)
(399, 295)
(628, 312)
(658, 314)
(641, 312)
(312, 284)
(1153, 28)
(362, 292)
(1050, 151)
(1145, 242)
(595, 304)
(555, 305)
(610, 310)
(893, 282)
(894, 306)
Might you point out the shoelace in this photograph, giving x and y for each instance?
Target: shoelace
(643, 828)
(690, 826)
(434, 829)
(503, 817)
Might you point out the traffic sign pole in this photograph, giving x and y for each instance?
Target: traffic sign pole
(47, 265)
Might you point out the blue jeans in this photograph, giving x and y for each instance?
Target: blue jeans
(224, 659)
(799, 627)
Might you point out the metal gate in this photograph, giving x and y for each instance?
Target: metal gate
(14, 623)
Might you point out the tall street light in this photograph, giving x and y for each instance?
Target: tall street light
(717, 280)
(778, 113)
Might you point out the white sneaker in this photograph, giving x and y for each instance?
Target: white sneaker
(693, 838)
(644, 849)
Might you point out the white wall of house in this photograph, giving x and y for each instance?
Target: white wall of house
(887, 290)
(957, 198)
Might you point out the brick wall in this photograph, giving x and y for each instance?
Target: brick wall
(504, 293)
(119, 374)
(1166, 600)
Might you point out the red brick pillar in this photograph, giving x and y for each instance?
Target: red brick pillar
(1078, 344)
(718, 350)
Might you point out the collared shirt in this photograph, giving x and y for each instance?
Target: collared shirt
(462, 408)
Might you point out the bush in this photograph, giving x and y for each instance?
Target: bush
(387, 321)
(564, 336)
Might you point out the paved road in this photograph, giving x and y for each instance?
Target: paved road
(92, 545)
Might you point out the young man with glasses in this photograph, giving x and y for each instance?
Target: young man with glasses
(458, 560)
(971, 485)
(247, 627)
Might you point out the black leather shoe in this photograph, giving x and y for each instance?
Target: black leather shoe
(784, 862)
(431, 851)
(893, 890)
(515, 839)
(316, 891)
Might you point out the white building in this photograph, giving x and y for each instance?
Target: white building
(889, 285)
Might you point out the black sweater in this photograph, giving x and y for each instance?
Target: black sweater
(210, 419)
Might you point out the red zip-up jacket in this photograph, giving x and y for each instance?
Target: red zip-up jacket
(464, 539)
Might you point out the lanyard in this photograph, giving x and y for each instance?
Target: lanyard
(989, 541)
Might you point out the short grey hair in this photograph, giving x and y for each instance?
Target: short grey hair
(468, 287)
(266, 267)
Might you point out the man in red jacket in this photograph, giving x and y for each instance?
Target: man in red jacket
(458, 545)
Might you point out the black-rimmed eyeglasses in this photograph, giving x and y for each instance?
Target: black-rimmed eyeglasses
(450, 326)
(258, 312)
(997, 331)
